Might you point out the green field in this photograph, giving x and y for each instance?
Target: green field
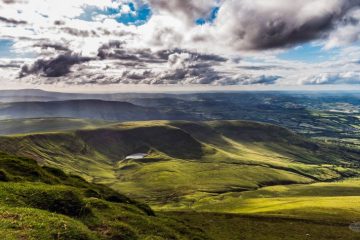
(213, 175)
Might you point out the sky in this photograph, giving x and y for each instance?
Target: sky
(150, 45)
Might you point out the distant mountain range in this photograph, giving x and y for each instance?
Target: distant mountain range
(89, 109)
(333, 116)
(30, 95)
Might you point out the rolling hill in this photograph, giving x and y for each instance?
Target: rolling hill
(185, 159)
(211, 175)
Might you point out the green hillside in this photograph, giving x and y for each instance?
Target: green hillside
(45, 203)
(208, 175)
(185, 159)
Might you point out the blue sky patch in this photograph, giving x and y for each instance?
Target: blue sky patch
(139, 13)
(5, 48)
(210, 18)
(136, 16)
(309, 53)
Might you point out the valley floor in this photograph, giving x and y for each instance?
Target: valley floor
(321, 211)
(239, 227)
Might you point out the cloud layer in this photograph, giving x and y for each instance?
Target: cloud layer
(237, 43)
(258, 24)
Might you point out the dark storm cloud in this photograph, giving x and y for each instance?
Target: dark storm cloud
(245, 79)
(188, 10)
(147, 76)
(117, 50)
(79, 33)
(11, 64)
(138, 76)
(164, 54)
(182, 65)
(275, 34)
(191, 73)
(209, 57)
(178, 66)
(55, 46)
(117, 64)
(12, 21)
(54, 67)
(257, 68)
(9, 1)
(115, 33)
(262, 68)
(200, 74)
(98, 32)
(59, 23)
(263, 79)
(258, 25)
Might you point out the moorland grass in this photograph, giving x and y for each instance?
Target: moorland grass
(45, 203)
(185, 158)
(289, 186)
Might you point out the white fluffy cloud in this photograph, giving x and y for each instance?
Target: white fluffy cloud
(75, 42)
(333, 78)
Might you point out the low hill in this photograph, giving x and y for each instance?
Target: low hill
(89, 109)
(38, 125)
(45, 203)
(185, 160)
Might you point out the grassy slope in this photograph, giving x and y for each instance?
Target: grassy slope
(187, 160)
(228, 167)
(336, 201)
(234, 227)
(44, 203)
(311, 211)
